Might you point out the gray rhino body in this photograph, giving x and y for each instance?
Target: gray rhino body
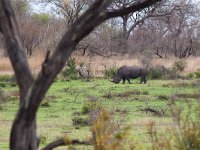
(126, 73)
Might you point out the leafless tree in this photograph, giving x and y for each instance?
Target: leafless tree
(167, 34)
(33, 33)
(70, 10)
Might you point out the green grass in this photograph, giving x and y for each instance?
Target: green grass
(125, 101)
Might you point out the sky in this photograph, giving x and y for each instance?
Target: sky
(43, 8)
(40, 7)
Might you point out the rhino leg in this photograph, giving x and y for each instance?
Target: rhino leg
(129, 81)
(123, 80)
(141, 79)
(145, 80)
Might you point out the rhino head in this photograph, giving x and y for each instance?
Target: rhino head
(116, 79)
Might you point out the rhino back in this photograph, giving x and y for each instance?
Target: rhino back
(131, 72)
(135, 72)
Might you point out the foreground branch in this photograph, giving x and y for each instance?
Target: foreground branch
(63, 142)
(133, 8)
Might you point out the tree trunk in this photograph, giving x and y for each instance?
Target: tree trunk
(124, 34)
(23, 135)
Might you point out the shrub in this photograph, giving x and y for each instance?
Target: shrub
(155, 73)
(191, 75)
(110, 72)
(179, 65)
(69, 73)
(160, 72)
(197, 74)
(89, 106)
(163, 97)
(79, 121)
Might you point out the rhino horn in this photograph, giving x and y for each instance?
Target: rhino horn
(111, 80)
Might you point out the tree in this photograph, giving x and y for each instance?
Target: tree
(34, 30)
(32, 91)
(70, 10)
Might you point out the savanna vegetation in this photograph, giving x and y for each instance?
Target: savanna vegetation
(146, 111)
(55, 68)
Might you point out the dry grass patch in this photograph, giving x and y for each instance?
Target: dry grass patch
(34, 62)
(99, 64)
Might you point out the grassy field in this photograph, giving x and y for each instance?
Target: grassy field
(136, 105)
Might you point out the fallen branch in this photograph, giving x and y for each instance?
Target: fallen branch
(64, 142)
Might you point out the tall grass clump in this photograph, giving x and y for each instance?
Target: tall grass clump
(106, 133)
(185, 135)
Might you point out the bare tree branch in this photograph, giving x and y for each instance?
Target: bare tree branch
(132, 8)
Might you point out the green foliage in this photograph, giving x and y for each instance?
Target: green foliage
(43, 18)
(70, 73)
(156, 73)
(110, 72)
(191, 75)
(179, 65)
(160, 72)
(195, 74)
